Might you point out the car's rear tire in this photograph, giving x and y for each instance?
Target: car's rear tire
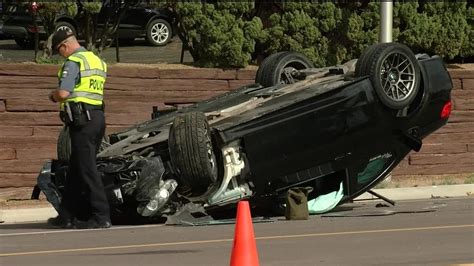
(394, 72)
(265, 64)
(158, 32)
(280, 69)
(192, 153)
(364, 60)
(63, 147)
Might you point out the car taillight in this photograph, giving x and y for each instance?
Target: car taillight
(34, 6)
(33, 29)
(446, 111)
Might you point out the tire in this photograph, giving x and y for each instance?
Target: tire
(395, 74)
(266, 63)
(361, 67)
(361, 63)
(158, 32)
(273, 72)
(65, 25)
(64, 145)
(192, 153)
(63, 148)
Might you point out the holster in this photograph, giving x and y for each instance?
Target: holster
(75, 114)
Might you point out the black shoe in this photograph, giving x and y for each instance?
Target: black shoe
(93, 224)
(60, 222)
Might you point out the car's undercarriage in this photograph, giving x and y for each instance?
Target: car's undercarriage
(238, 145)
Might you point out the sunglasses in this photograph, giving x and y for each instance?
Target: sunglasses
(61, 45)
(58, 48)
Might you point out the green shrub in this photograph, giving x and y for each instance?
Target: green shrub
(219, 35)
(447, 181)
(440, 27)
(233, 33)
(47, 11)
(469, 180)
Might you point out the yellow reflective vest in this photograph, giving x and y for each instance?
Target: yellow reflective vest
(90, 88)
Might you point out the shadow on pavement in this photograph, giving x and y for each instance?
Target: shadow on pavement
(15, 226)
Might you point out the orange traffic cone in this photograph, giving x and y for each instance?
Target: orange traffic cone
(244, 249)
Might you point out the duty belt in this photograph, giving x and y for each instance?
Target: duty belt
(91, 107)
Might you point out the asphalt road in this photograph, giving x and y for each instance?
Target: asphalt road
(139, 52)
(426, 232)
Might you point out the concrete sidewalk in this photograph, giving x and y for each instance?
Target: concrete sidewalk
(411, 193)
(23, 215)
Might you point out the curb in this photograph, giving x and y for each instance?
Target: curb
(27, 215)
(429, 192)
(411, 193)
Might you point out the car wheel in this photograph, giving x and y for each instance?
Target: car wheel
(192, 153)
(361, 64)
(65, 26)
(63, 147)
(394, 72)
(265, 64)
(25, 43)
(158, 32)
(363, 61)
(282, 69)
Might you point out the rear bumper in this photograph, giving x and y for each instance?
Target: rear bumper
(15, 31)
(23, 32)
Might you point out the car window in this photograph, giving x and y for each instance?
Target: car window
(17, 9)
(374, 169)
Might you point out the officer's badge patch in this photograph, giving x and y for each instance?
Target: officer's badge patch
(64, 74)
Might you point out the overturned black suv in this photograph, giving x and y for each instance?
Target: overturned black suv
(297, 126)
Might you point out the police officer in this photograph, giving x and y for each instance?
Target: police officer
(80, 94)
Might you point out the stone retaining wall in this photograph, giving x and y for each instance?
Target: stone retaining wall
(450, 150)
(29, 123)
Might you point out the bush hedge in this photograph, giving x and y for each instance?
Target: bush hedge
(233, 33)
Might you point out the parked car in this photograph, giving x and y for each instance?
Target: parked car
(2, 35)
(19, 24)
(140, 21)
(298, 126)
(155, 25)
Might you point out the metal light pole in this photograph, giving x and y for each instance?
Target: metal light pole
(386, 21)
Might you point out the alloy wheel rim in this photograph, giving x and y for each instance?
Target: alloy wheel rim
(397, 76)
(210, 153)
(289, 73)
(287, 76)
(159, 33)
(66, 28)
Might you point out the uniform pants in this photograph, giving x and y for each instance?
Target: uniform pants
(83, 182)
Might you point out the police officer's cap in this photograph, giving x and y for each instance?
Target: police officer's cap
(60, 36)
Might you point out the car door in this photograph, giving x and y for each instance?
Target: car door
(134, 19)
